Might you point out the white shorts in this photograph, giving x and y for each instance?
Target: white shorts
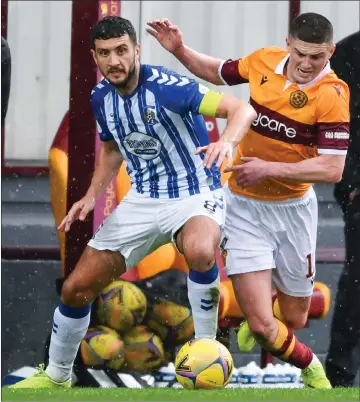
(261, 235)
(139, 225)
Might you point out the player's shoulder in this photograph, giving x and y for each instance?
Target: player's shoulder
(269, 53)
(331, 85)
(100, 90)
(162, 77)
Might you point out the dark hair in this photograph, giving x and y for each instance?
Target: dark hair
(312, 28)
(112, 27)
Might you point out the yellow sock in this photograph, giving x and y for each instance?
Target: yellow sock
(277, 311)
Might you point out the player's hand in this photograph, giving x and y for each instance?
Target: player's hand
(250, 172)
(168, 35)
(78, 211)
(216, 151)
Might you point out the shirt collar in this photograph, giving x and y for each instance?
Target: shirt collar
(280, 67)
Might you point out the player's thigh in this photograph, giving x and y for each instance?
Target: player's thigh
(294, 310)
(197, 223)
(94, 271)
(131, 229)
(295, 262)
(253, 292)
(246, 245)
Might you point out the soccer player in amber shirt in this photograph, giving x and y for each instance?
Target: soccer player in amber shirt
(300, 137)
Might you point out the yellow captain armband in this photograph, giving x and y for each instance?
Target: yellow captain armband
(210, 103)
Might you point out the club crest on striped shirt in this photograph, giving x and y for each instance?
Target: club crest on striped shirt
(149, 115)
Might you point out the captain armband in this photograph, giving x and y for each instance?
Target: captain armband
(210, 103)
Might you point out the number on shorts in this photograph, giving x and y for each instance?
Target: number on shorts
(310, 273)
(210, 206)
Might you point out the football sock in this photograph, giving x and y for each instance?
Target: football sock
(287, 348)
(69, 328)
(277, 311)
(204, 297)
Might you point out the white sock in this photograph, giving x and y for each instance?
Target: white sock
(204, 300)
(66, 336)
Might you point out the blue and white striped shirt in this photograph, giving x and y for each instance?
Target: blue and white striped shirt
(157, 129)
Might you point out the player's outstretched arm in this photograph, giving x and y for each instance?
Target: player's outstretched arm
(108, 164)
(321, 169)
(239, 115)
(171, 39)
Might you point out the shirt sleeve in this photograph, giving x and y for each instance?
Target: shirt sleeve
(99, 113)
(179, 93)
(234, 72)
(333, 118)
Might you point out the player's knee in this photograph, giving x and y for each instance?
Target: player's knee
(262, 329)
(74, 295)
(296, 322)
(200, 255)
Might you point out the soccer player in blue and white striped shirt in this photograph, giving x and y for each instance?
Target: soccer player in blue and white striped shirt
(151, 118)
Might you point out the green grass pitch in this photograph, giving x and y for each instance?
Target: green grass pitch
(166, 394)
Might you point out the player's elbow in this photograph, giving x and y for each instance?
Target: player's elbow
(332, 167)
(247, 112)
(334, 175)
(252, 113)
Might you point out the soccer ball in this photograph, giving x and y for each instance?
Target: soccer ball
(143, 349)
(121, 305)
(102, 348)
(203, 363)
(172, 322)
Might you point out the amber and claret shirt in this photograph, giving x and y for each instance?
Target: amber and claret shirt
(294, 122)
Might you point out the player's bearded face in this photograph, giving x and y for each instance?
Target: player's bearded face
(116, 59)
(306, 60)
(120, 77)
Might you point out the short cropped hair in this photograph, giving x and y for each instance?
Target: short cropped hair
(112, 27)
(312, 28)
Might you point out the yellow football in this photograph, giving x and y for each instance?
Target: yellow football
(172, 322)
(203, 364)
(102, 347)
(144, 350)
(121, 306)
